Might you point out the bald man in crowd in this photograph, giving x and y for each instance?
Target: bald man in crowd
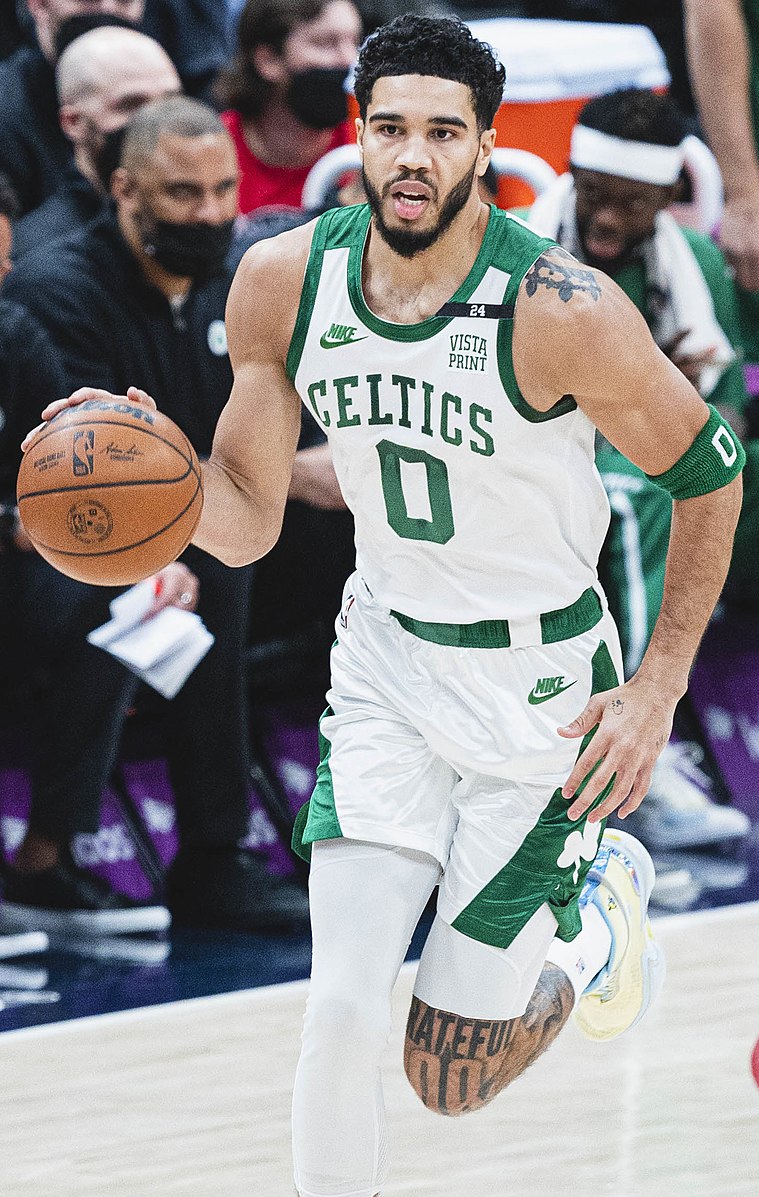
(33, 150)
(102, 79)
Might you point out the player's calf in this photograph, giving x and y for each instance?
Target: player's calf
(457, 1064)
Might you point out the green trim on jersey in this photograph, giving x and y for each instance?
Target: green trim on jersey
(524, 256)
(317, 819)
(433, 324)
(499, 911)
(307, 297)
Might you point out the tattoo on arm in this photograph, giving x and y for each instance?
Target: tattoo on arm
(566, 276)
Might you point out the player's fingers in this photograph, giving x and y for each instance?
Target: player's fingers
(637, 794)
(30, 436)
(135, 395)
(619, 793)
(603, 776)
(586, 720)
(82, 395)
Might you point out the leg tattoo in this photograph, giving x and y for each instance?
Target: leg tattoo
(459, 1064)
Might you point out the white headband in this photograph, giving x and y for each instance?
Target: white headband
(592, 150)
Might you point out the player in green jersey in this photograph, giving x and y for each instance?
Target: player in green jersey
(445, 759)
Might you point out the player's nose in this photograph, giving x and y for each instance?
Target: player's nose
(414, 154)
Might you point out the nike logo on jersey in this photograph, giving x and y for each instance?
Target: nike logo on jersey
(338, 335)
(547, 687)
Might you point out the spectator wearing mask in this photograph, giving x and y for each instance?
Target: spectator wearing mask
(139, 296)
(34, 152)
(30, 375)
(102, 77)
(610, 211)
(285, 93)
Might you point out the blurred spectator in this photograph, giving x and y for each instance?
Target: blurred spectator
(11, 33)
(285, 93)
(197, 36)
(723, 44)
(102, 77)
(138, 296)
(30, 378)
(33, 151)
(611, 213)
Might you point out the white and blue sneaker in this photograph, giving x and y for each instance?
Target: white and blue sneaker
(619, 885)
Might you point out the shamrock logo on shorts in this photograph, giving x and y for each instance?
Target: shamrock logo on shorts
(580, 845)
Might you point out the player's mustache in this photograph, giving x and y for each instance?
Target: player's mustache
(410, 176)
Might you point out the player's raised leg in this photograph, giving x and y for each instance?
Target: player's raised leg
(611, 972)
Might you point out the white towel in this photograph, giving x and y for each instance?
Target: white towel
(679, 297)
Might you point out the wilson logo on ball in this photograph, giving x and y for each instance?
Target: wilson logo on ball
(83, 452)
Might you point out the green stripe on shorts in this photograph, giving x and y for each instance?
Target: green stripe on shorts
(550, 865)
(317, 819)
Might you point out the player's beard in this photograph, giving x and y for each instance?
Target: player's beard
(410, 242)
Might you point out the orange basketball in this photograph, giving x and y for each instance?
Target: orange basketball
(110, 492)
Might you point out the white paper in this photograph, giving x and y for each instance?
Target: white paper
(163, 650)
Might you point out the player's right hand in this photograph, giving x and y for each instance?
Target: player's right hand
(84, 395)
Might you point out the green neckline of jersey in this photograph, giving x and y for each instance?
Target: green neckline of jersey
(433, 324)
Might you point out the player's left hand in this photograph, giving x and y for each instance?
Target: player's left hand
(633, 723)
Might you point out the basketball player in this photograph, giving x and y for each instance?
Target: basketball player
(476, 735)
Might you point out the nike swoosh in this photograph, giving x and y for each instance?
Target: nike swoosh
(326, 343)
(535, 699)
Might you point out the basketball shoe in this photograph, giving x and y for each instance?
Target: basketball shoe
(65, 899)
(619, 885)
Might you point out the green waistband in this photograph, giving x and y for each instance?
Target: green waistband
(570, 621)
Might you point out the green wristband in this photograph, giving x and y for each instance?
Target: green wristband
(714, 459)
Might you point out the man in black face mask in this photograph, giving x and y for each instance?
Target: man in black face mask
(285, 93)
(141, 293)
(102, 78)
(33, 151)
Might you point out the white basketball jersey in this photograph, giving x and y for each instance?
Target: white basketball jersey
(469, 505)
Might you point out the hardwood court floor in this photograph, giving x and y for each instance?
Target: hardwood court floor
(192, 1099)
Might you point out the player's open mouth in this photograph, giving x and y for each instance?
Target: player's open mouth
(410, 200)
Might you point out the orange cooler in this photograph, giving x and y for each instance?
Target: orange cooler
(552, 69)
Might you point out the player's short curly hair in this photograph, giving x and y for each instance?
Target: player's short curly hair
(440, 46)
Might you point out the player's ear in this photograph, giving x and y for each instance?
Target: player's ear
(487, 144)
(360, 136)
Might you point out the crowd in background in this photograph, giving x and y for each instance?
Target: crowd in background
(144, 144)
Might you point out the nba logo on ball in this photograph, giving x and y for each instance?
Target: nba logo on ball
(217, 338)
(84, 445)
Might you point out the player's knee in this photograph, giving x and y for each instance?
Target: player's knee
(350, 1024)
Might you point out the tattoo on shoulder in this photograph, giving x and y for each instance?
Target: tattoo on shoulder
(559, 271)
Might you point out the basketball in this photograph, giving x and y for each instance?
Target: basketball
(110, 492)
